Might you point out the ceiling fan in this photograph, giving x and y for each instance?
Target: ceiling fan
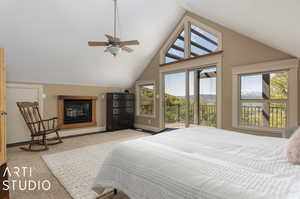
(114, 44)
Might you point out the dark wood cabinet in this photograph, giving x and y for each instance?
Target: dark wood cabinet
(120, 111)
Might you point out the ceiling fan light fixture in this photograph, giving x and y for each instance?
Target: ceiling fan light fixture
(114, 50)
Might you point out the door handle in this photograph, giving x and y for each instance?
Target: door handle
(3, 113)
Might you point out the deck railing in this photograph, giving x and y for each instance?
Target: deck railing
(251, 116)
(175, 113)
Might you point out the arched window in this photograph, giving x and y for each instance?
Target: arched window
(191, 39)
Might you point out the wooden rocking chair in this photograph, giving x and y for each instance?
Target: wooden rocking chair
(38, 127)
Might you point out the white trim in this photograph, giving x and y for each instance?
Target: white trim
(147, 127)
(192, 63)
(31, 86)
(184, 24)
(80, 131)
(202, 62)
(187, 37)
(266, 67)
(290, 65)
(137, 94)
(73, 132)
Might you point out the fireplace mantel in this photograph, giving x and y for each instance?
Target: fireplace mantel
(61, 99)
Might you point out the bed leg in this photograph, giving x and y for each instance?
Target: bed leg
(115, 191)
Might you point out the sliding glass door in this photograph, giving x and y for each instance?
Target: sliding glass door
(190, 98)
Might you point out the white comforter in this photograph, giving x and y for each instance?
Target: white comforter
(201, 163)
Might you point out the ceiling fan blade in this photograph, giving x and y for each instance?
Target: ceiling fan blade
(111, 38)
(98, 43)
(129, 50)
(128, 43)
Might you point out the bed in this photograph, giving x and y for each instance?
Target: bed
(201, 163)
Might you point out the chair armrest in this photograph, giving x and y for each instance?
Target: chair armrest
(53, 118)
(45, 125)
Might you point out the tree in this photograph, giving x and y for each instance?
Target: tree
(279, 85)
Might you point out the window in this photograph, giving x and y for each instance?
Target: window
(263, 100)
(265, 95)
(145, 99)
(202, 42)
(176, 51)
(190, 39)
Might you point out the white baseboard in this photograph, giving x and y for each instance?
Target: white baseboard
(71, 132)
(147, 127)
(81, 131)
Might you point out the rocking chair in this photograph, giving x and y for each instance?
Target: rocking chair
(38, 127)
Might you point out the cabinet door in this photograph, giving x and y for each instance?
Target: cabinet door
(2, 109)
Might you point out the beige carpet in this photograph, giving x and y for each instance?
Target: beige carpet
(19, 158)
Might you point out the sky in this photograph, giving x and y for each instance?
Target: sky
(175, 85)
(251, 84)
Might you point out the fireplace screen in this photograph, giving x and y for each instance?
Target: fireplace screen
(77, 111)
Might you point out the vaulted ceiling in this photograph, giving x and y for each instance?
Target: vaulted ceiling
(46, 41)
(272, 22)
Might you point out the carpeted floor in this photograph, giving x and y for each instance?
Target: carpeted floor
(18, 158)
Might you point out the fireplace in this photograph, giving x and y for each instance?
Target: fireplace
(76, 111)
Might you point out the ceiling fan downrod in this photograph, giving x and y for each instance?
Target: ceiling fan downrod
(115, 19)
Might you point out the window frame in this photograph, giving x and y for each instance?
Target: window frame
(264, 101)
(182, 30)
(291, 67)
(138, 99)
(185, 25)
(198, 45)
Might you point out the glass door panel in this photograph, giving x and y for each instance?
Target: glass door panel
(207, 97)
(175, 100)
(202, 97)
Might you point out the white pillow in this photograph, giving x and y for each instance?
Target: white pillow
(293, 152)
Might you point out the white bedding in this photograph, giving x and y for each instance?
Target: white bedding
(201, 163)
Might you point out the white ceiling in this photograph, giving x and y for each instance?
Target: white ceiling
(46, 40)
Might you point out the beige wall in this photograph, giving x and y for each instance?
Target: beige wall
(51, 92)
(238, 50)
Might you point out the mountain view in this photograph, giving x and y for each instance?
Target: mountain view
(209, 99)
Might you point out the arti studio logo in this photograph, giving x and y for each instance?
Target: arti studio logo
(22, 180)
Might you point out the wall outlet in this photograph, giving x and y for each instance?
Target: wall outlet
(149, 121)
